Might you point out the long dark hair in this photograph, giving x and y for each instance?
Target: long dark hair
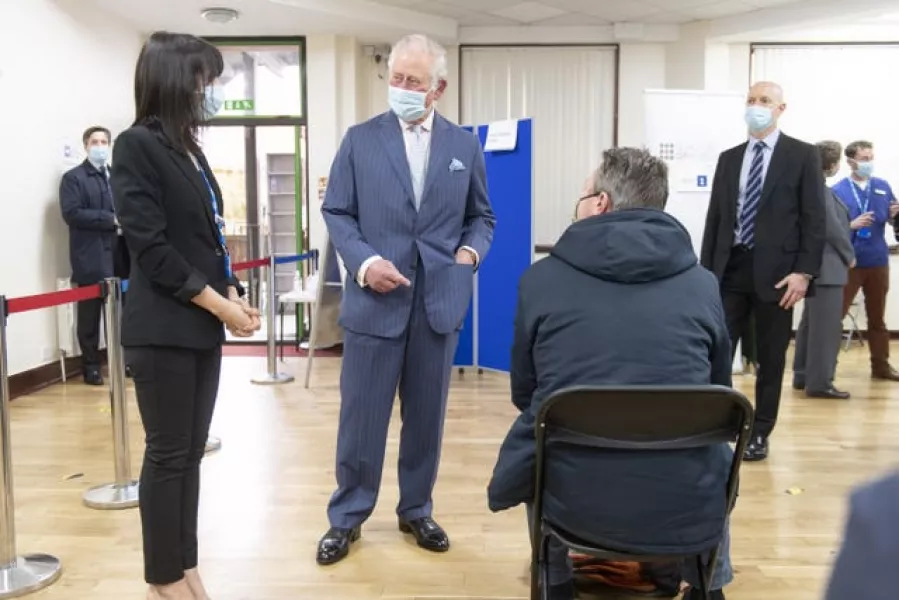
(172, 70)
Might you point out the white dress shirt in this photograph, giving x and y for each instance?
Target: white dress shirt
(427, 127)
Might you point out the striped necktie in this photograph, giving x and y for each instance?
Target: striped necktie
(418, 162)
(752, 196)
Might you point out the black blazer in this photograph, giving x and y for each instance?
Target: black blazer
(790, 224)
(164, 209)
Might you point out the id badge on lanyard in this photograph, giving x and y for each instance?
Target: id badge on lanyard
(865, 232)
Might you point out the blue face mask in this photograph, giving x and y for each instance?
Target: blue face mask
(213, 100)
(98, 155)
(408, 105)
(758, 118)
(865, 169)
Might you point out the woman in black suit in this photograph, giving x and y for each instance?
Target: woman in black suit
(180, 294)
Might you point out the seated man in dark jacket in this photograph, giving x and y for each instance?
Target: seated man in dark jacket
(621, 300)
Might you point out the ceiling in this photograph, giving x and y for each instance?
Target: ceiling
(475, 13)
(298, 17)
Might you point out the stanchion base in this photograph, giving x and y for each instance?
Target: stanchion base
(213, 444)
(29, 574)
(112, 496)
(272, 379)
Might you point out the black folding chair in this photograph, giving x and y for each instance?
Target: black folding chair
(634, 418)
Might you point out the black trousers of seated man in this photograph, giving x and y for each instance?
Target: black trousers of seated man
(773, 326)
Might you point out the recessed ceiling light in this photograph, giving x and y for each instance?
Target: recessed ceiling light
(220, 15)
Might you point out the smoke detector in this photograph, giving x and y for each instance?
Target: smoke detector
(220, 16)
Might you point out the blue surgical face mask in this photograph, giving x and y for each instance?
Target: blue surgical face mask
(758, 118)
(213, 100)
(408, 105)
(98, 155)
(865, 168)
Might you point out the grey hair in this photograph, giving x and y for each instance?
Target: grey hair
(633, 178)
(421, 43)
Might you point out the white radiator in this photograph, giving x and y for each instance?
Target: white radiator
(65, 324)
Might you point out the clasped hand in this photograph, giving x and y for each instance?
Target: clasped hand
(240, 318)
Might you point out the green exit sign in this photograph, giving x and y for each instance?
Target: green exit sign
(242, 105)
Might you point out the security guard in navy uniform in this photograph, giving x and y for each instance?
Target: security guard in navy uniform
(95, 249)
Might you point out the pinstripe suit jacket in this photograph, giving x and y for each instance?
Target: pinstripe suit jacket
(369, 210)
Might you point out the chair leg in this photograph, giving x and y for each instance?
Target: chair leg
(544, 568)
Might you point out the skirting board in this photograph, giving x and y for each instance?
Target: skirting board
(38, 378)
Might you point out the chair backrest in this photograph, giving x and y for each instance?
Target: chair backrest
(645, 417)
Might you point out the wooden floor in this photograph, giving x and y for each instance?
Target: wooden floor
(264, 494)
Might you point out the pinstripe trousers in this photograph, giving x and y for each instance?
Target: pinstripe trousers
(419, 364)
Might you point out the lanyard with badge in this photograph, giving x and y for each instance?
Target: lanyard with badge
(219, 223)
(865, 232)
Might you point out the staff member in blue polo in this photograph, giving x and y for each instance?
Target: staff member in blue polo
(871, 205)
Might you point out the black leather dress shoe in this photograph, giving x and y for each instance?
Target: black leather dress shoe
(798, 385)
(831, 393)
(427, 533)
(335, 545)
(756, 449)
(92, 376)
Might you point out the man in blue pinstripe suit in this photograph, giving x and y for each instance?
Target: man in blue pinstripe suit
(408, 212)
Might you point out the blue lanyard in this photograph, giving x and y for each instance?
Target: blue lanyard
(219, 223)
(858, 201)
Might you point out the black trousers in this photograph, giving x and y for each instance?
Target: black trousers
(772, 334)
(89, 314)
(176, 391)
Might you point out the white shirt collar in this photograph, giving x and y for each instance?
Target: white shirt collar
(427, 124)
(770, 140)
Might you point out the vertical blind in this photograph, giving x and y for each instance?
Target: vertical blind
(838, 92)
(569, 92)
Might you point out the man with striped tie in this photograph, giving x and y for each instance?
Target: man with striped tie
(764, 240)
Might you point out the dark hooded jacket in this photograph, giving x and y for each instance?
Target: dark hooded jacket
(621, 300)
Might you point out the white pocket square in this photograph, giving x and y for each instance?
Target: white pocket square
(456, 165)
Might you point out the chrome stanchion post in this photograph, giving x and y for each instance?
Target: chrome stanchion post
(19, 575)
(123, 493)
(272, 376)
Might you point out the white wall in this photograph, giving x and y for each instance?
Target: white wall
(62, 69)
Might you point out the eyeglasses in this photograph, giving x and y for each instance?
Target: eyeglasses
(588, 197)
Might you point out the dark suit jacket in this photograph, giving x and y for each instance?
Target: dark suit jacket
(86, 205)
(865, 567)
(789, 230)
(369, 210)
(166, 215)
(838, 250)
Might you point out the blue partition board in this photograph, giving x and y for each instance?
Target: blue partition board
(510, 182)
